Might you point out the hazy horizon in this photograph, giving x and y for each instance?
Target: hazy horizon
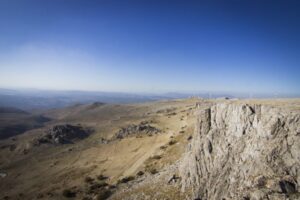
(249, 47)
(203, 93)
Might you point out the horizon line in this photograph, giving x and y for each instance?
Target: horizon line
(186, 92)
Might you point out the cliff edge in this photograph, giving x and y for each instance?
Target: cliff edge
(242, 151)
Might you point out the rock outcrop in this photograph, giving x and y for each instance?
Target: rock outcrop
(240, 151)
(140, 129)
(63, 134)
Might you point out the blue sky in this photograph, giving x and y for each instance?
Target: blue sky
(151, 46)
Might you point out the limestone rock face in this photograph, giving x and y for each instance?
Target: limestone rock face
(240, 151)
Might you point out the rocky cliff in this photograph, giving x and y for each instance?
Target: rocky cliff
(242, 151)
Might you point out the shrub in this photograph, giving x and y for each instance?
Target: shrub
(261, 182)
(112, 186)
(102, 184)
(153, 171)
(102, 177)
(103, 194)
(40, 195)
(96, 186)
(88, 179)
(171, 142)
(156, 157)
(126, 179)
(68, 193)
(87, 198)
(140, 173)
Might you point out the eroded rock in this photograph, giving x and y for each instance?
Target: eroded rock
(238, 149)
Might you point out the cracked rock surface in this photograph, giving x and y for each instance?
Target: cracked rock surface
(241, 151)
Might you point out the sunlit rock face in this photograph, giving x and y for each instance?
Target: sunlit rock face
(242, 151)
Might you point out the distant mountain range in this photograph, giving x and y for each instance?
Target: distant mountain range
(32, 99)
(43, 99)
